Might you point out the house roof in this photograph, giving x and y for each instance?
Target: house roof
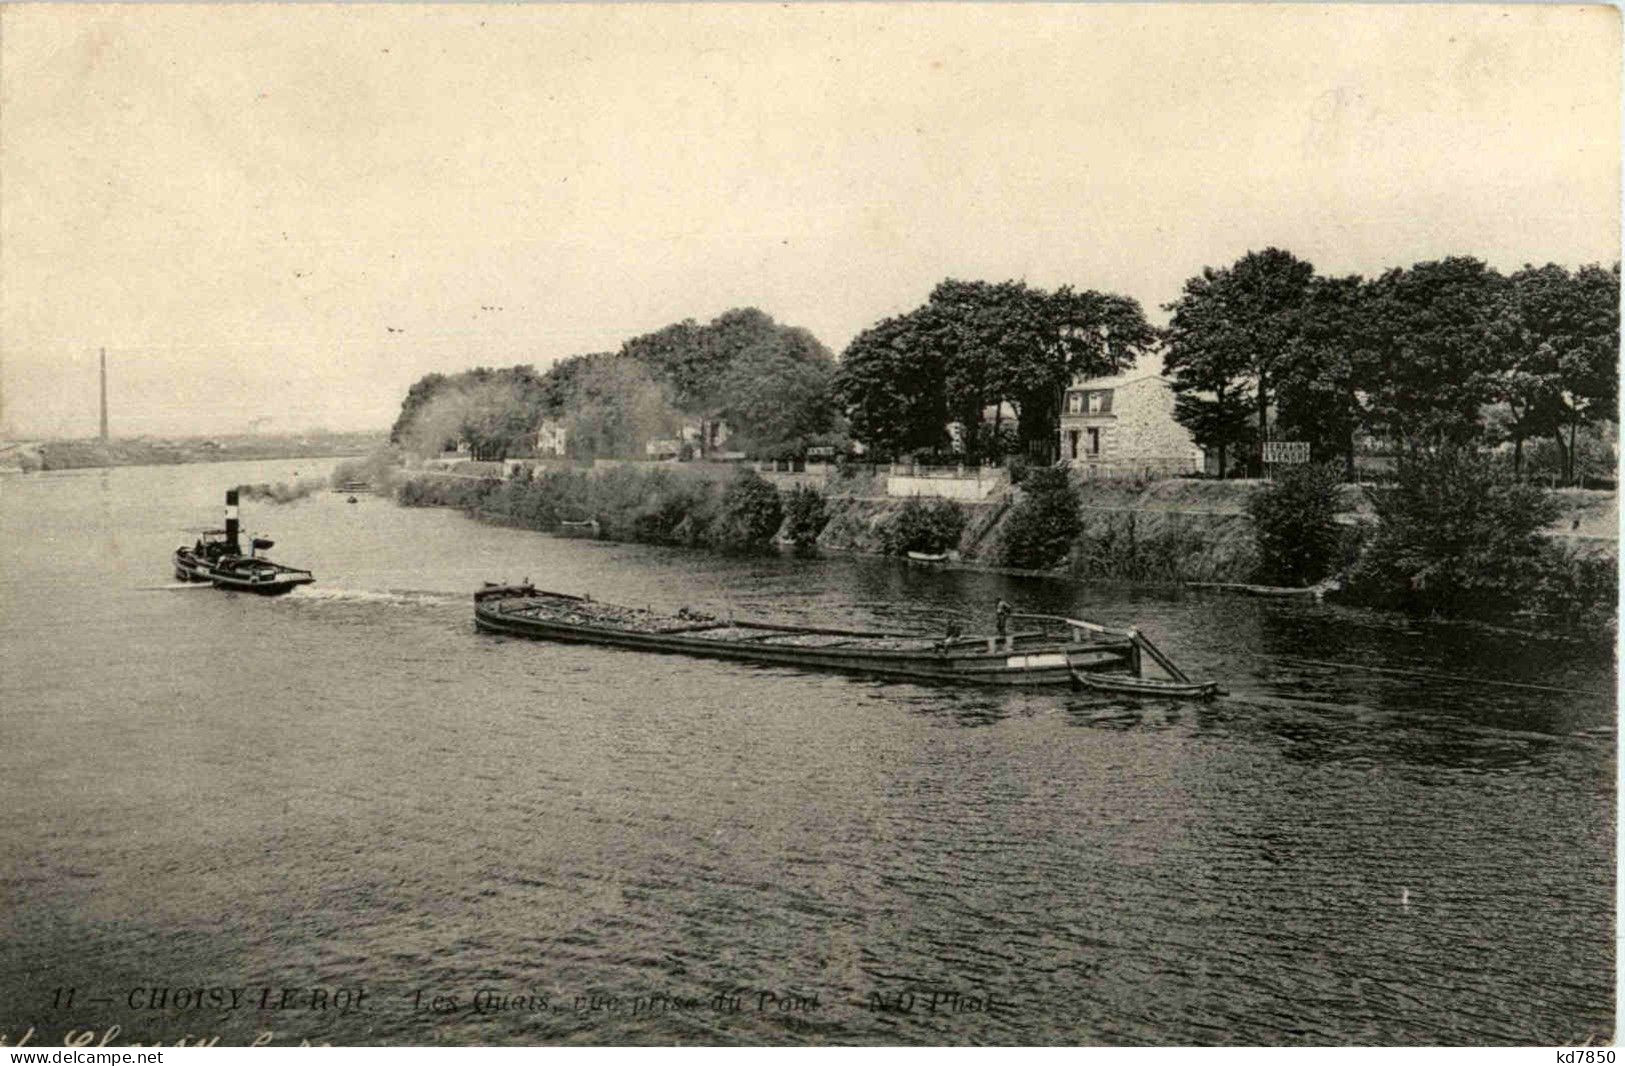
(1117, 381)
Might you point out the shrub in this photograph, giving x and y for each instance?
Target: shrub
(1042, 526)
(1017, 465)
(1457, 537)
(805, 517)
(750, 514)
(1117, 549)
(1294, 523)
(670, 514)
(428, 491)
(1577, 591)
(920, 526)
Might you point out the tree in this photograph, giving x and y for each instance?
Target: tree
(618, 408)
(750, 514)
(967, 322)
(1317, 382)
(679, 356)
(1231, 327)
(1044, 522)
(693, 360)
(558, 390)
(491, 409)
(1438, 335)
(1561, 367)
(805, 516)
(981, 344)
(921, 526)
(1456, 536)
(422, 391)
(733, 368)
(776, 394)
(892, 384)
(1295, 525)
(1266, 295)
(1070, 335)
(1209, 364)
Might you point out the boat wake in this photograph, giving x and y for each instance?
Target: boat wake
(387, 597)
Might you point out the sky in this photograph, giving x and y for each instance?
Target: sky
(278, 218)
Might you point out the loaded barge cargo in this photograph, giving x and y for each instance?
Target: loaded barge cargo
(1041, 650)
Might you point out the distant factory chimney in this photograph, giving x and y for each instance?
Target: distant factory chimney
(104, 394)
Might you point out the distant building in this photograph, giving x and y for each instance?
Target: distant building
(707, 435)
(551, 439)
(1124, 426)
(665, 448)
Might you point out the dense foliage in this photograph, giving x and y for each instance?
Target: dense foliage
(1045, 521)
(1578, 592)
(770, 384)
(1561, 365)
(1231, 330)
(750, 514)
(1457, 537)
(1294, 523)
(805, 517)
(975, 346)
(1443, 353)
(493, 410)
(928, 526)
(1119, 548)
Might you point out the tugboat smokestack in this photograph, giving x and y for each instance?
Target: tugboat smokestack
(232, 547)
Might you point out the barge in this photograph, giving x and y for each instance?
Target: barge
(216, 557)
(1037, 650)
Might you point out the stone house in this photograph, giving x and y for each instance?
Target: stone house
(1124, 426)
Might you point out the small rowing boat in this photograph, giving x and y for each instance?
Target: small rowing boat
(1127, 685)
(1037, 650)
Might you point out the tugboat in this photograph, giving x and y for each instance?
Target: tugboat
(217, 558)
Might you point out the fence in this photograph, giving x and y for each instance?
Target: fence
(1135, 469)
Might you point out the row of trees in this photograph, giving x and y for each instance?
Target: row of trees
(1446, 352)
(975, 345)
(771, 384)
(1443, 352)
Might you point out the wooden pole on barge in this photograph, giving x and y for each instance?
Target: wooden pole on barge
(1160, 659)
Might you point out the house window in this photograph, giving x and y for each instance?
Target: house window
(1097, 402)
(1074, 403)
(1094, 441)
(1072, 438)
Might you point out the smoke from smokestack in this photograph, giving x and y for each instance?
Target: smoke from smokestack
(283, 491)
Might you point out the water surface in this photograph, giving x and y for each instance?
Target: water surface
(349, 788)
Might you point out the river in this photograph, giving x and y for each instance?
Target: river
(366, 820)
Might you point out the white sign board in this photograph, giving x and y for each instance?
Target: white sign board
(1286, 451)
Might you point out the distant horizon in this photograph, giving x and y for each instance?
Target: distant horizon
(291, 215)
(116, 438)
